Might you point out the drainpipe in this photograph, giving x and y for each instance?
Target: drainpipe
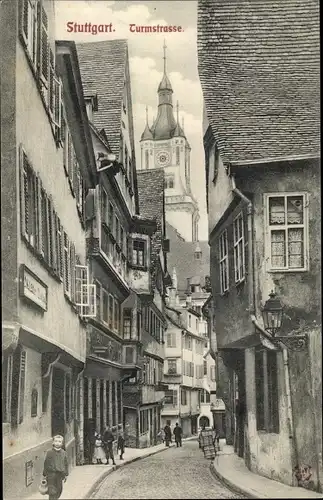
(251, 274)
(290, 423)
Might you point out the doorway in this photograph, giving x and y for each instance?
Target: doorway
(58, 410)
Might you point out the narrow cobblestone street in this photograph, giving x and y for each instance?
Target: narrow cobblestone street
(177, 473)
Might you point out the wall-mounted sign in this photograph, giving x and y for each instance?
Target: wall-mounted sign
(32, 288)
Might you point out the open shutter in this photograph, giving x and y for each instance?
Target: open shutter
(73, 264)
(24, 14)
(51, 87)
(57, 117)
(22, 376)
(44, 47)
(59, 247)
(50, 231)
(90, 310)
(23, 193)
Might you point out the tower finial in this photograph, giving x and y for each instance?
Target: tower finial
(147, 115)
(164, 47)
(177, 111)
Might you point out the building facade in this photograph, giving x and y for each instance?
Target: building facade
(262, 172)
(144, 394)
(48, 167)
(164, 145)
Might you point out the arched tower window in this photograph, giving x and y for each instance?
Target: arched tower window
(177, 155)
(147, 159)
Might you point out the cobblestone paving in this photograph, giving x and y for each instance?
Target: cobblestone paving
(176, 473)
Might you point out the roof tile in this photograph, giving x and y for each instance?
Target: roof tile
(259, 69)
(102, 66)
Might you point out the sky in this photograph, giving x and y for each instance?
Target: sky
(146, 65)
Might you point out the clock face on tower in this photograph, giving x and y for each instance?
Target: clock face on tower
(162, 158)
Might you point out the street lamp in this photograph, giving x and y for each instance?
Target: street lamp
(272, 314)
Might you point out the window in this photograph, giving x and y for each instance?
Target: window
(138, 253)
(28, 201)
(183, 397)
(34, 403)
(127, 323)
(177, 155)
(146, 159)
(117, 230)
(213, 379)
(67, 265)
(104, 206)
(129, 355)
(171, 397)
(110, 217)
(267, 398)
(287, 228)
(171, 340)
(110, 314)
(224, 264)
(188, 342)
(205, 367)
(105, 306)
(204, 397)
(239, 250)
(189, 320)
(169, 182)
(116, 315)
(172, 366)
(144, 421)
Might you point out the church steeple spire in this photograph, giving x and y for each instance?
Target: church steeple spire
(178, 132)
(147, 134)
(165, 83)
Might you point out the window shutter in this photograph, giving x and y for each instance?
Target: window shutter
(73, 263)
(70, 160)
(44, 46)
(24, 5)
(57, 105)
(67, 265)
(23, 193)
(50, 232)
(64, 139)
(129, 249)
(22, 386)
(38, 215)
(51, 86)
(59, 246)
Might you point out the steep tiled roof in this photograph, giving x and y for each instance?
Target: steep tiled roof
(102, 66)
(151, 205)
(259, 69)
(181, 256)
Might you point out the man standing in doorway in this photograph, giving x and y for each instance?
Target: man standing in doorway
(178, 435)
(108, 439)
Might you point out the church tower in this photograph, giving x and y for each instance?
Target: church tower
(165, 145)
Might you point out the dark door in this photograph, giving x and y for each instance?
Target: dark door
(58, 413)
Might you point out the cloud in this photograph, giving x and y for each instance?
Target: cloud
(146, 66)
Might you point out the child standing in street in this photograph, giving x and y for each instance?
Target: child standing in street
(56, 468)
(120, 445)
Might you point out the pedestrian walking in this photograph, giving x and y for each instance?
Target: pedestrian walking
(99, 456)
(56, 468)
(178, 435)
(120, 445)
(168, 434)
(108, 439)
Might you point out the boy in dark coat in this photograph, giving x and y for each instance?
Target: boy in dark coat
(56, 468)
(108, 439)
